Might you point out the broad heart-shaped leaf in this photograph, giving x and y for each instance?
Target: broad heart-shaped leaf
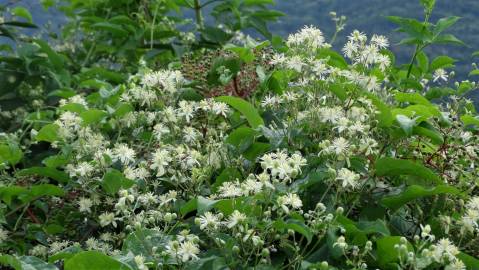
(470, 262)
(94, 260)
(395, 167)
(48, 133)
(34, 263)
(52, 173)
(92, 116)
(245, 108)
(416, 192)
(386, 253)
(114, 180)
(141, 242)
(10, 153)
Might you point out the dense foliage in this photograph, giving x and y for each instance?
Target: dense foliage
(138, 139)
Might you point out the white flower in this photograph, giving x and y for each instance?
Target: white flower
(188, 251)
(140, 262)
(440, 74)
(169, 80)
(3, 235)
(340, 146)
(444, 250)
(235, 218)
(348, 178)
(123, 153)
(220, 108)
(161, 159)
(208, 221)
(290, 200)
(341, 243)
(85, 205)
(230, 190)
(107, 219)
(310, 37)
(350, 49)
(456, 265)
(380, 41)
(186, 109)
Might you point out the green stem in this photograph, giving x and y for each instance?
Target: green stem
(199, 16)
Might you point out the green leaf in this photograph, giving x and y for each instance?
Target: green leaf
(73, 107)
(9, 260)
(429, 132)
(94, 260)
(395, 167)
(415, 192)
(141, 242)
(10, 153)
(189, 207)
(229, 174)
(22, 12)
(208, 263)
(423, 62)
(256, 149)
(448, 39)
(55, 59)
(412, 98)
(386, 253)
(407, 124)
(470, 120)
(52, 173)
(442, 62)
(34, 263)
(470, 262)
(114, 180)
(114, 29)
(92, 116)
(48, 133)
(242, 138)
(334, 59)
(385, 116)
(295, 225)
(475, 54)
(474, 72)
(245, 108)
(444, 23)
